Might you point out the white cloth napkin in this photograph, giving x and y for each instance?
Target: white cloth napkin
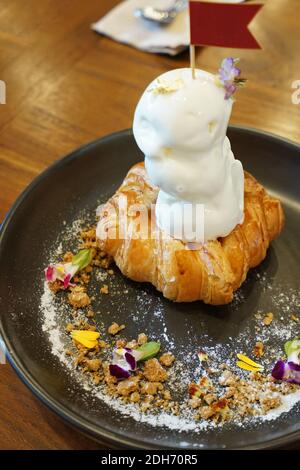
(121, 25)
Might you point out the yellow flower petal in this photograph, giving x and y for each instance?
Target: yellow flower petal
(87, 344)
(245, 366)
(249, 361)
(87, 334)
(86, 338)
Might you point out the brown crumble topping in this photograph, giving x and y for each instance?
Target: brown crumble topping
(68, 256)
(135, 397)
(115, 328)
(133, 344)
(91, 365)
(220, 395)
(167, 395)
(78, 297)
(55, 286)
(121, 343)
(154, 372)
(258, 350)
(151, 388)
(167, 359)
(142, 339)
(268, 319)
(127, 386)
(80, 324)
(88, 235)
(104, 289)
(70, 327)
(237, 397)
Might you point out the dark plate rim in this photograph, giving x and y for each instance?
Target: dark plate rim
(99, 432)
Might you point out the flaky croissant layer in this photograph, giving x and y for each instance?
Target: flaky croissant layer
(211, 273)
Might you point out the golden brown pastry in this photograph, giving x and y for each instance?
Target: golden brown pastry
(211, 273)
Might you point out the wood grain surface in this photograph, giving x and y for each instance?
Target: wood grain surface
(66, 85)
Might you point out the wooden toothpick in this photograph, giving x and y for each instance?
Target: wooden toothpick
(192, 60)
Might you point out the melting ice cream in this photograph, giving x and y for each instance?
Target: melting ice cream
(180, 125)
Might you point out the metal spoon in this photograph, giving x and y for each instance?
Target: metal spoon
(161, 16)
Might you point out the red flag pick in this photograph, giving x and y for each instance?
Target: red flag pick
(222, 24)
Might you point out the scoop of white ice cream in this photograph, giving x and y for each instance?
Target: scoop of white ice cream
(180, 124)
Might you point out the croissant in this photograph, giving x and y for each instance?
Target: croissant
(211, 273)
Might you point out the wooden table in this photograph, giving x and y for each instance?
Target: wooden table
(66, 86)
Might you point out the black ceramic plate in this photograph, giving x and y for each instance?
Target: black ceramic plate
(77, 183)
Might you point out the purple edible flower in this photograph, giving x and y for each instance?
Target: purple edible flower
(118, 372)
(230, 88)
(289, 371)
(228, 71)
(124, 360)
(229, 76)
(64, 272)
(123, 363)
(131, 360)
(279, 370)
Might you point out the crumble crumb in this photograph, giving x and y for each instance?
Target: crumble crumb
(68, 256)
(167, 359)
(142, 339)
(104, 289)
(268, 319)
(151, 388)
(135, 397)
(167, 395)
(133, 344)
(127, 386)
(78, 297)
(93, 365)
(217, 410)
(154, 372)
(96, 379)
(269, 403)
(88, 234)
(114, 328)
(258, 350)
(55, 286)
(121, 343)
(69, 327)
(227, 378)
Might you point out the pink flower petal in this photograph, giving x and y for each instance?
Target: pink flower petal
(49, 274)
(67, 280)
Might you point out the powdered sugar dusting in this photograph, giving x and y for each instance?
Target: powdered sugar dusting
(50, 325)
(150, 315)
(288, 402)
